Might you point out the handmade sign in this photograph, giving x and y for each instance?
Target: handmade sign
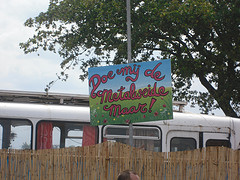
(135, 92)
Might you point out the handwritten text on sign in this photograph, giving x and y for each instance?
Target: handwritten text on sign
(130, 93)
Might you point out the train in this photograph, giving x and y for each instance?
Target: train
(40, 121)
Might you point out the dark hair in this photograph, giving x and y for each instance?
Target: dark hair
(125, 175)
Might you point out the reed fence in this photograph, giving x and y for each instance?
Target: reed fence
(104, 162)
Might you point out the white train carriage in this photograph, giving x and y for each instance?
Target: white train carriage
(43, 126)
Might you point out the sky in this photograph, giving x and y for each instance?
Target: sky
(30, 72)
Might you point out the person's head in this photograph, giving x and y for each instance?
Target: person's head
(128, 175)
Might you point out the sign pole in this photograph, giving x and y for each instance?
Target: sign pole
(129, 46)
(129, 51)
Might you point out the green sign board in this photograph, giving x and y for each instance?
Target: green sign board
(135, 92)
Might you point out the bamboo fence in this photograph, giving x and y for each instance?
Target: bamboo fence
(105, 161)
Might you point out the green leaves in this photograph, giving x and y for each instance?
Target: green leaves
(201, 37)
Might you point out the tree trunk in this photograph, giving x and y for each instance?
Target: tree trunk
(224, 104)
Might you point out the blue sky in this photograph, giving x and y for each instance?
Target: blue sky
(21, 72)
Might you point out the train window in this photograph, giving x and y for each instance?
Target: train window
(148, 138)
(15, 134)
(218, 142)
(55, 134)
(182, 144)
(56, 137)
(74, 137)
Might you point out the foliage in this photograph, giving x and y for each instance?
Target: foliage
(25, 145)
(201, 37)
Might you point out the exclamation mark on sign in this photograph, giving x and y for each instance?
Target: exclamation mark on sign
(151, 104)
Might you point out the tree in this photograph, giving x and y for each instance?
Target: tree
(200, 37)
(25, 145)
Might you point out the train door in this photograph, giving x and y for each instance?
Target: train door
(182, 140)
(216, 139)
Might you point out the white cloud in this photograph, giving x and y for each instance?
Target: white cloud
(24, 8)
(28, 72)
